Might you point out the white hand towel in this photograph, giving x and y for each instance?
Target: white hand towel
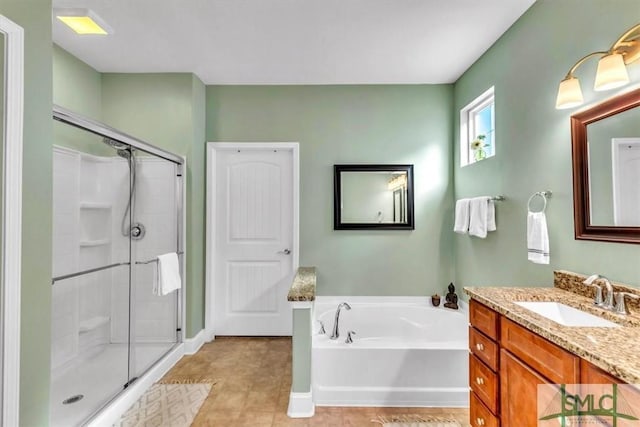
(478, 217)
(462, 216)
(537, 238)
(491, 215)
(168, 274)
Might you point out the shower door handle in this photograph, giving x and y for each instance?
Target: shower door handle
(286, 252)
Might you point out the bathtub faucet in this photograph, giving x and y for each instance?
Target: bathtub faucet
(335, 333)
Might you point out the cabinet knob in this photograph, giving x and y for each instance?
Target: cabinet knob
(480, 346)
(479, 421)
(480, 380)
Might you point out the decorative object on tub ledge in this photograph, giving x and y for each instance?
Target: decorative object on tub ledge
(537, 234)
(435, 300)
(451, 298)
(611, 72)
(410, 420)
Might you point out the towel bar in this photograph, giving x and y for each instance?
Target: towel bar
(153, 260)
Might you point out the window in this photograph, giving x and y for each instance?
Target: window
(477, 129)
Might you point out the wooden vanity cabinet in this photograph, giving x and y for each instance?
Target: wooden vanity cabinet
(591, 374)
(484, 362)
(506, 364)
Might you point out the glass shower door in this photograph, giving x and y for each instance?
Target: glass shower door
(156, 213)
(91, 268)
(116, 207)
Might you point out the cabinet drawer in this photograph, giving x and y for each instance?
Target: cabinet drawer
(548, 359)
(479, 415)
(484, 348)
(484, 319)
(484, 383)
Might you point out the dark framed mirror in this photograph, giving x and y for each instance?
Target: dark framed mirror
(373, 197)
(606, 170)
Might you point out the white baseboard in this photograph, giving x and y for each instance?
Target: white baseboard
(301, 405)
(112, 412)
(428, 397)
(192, 345)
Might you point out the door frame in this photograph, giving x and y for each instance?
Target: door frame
(10, 285)
(615, 155)
(212, 150)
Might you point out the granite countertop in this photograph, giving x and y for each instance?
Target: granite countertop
(303, 287)
(615, 350)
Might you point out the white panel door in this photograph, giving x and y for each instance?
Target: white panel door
(253, 237)
(626, 181)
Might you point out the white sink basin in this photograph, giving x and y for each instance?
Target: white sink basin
(566, 315)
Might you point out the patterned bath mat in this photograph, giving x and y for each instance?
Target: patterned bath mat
(187, 380)
(174, 405)
(416, 421)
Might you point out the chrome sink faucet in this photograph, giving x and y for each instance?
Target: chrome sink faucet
(620, 306)
(608, 300)
(335, 334)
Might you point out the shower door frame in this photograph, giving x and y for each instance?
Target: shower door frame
(11, 258)
(121, 401)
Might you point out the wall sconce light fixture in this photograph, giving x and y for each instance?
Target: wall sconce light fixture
(611, 72)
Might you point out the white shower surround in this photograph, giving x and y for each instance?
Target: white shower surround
(90, 194)
(405, 353)
(90, 313)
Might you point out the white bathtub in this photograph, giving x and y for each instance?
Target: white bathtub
(404, 353)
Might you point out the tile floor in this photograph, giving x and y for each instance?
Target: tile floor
(253, 384)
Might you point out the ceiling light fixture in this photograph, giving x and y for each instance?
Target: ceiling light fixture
(83, 21)
(611, 72)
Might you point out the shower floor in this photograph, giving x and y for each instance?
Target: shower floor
(98, 377)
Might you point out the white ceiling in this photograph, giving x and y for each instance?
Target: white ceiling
(293, 41)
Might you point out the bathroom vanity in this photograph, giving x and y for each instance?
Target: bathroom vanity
(513, 350)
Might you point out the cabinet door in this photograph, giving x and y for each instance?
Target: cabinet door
(518, 392)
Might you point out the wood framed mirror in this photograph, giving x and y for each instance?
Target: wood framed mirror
(606, 170)
(373, 197)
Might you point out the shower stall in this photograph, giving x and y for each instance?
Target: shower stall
(117, 205)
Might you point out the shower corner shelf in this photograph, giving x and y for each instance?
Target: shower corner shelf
(99, 242)
(92, 324)
(94, 205)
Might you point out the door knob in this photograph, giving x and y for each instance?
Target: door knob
(286, 252)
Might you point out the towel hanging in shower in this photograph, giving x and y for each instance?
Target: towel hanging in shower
(168, 274)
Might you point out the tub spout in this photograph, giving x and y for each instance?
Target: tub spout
(335, 334)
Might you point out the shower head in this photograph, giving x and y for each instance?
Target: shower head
(115, 144)
(124, 153)
(121, 148)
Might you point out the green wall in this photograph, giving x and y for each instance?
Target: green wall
(77, 87)
(167, 110)
(35, 17)
(356, 124)
(534, 143)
